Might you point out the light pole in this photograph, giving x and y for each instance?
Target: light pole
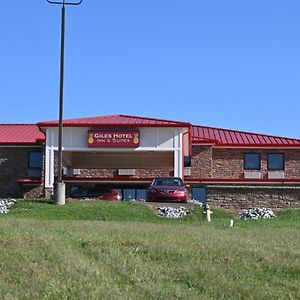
(59, 187)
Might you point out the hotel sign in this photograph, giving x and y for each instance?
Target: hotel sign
(114, 138)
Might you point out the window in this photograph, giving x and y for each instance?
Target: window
(275, 161)
(187, 161)
(251, 161)
(35, 163)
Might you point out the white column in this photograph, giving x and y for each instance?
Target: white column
(178, 151)
(49, 159)
(49, 167)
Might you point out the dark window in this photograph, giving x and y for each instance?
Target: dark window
(275, 161)
(35, 163)
(187, 161)
(35, 160)
(251, 161)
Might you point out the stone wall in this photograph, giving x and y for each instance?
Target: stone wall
(201, 162)
(48, 192)
(208, 162)
(111, 173)
(13, 166)
(229, 163)
(241, 197)
(32, 191)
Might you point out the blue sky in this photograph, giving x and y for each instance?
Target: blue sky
(230, 64)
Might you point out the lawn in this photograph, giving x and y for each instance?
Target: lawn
(96, 250)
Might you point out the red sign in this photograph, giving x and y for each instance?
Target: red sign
(113, 138)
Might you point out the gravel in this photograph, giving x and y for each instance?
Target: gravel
(195, 202)
(6, 204)
(257, 213)
(172, 212)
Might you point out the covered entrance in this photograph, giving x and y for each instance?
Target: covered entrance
(119, 149)
(127, 172)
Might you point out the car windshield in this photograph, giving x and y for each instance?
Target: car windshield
(167, 182)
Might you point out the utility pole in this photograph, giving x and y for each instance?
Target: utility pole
(59, 187)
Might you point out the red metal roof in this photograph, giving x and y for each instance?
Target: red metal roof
(115, 120)
(226, 137)
(28, 134)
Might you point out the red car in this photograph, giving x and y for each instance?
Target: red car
(167, 189)
(95, 193)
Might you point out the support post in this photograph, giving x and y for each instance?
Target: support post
(59, 192)
(59, 187)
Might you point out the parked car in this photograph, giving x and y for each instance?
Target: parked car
(95, 193)
(167, 189)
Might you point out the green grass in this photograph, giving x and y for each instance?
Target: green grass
(130, 211)
(101, 211)
(96, 250)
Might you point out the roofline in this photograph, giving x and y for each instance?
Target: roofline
(154, 119)
(244, 145)
(14, 124)
(176, 123)
(258, 146)
(248, 132)
(38, 143)
(97, 125)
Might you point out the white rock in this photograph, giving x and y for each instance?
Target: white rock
(5, 205)
(257, 213)
(172, 212)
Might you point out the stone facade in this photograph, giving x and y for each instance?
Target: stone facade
(242, 197)
(139, 173)
(229, 163)
(32, 191)
(14, 166)
(201, 162)
(226, 163)
(208, 162)
(113, 173)
(48, 192)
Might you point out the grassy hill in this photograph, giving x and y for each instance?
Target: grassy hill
(96, 250)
